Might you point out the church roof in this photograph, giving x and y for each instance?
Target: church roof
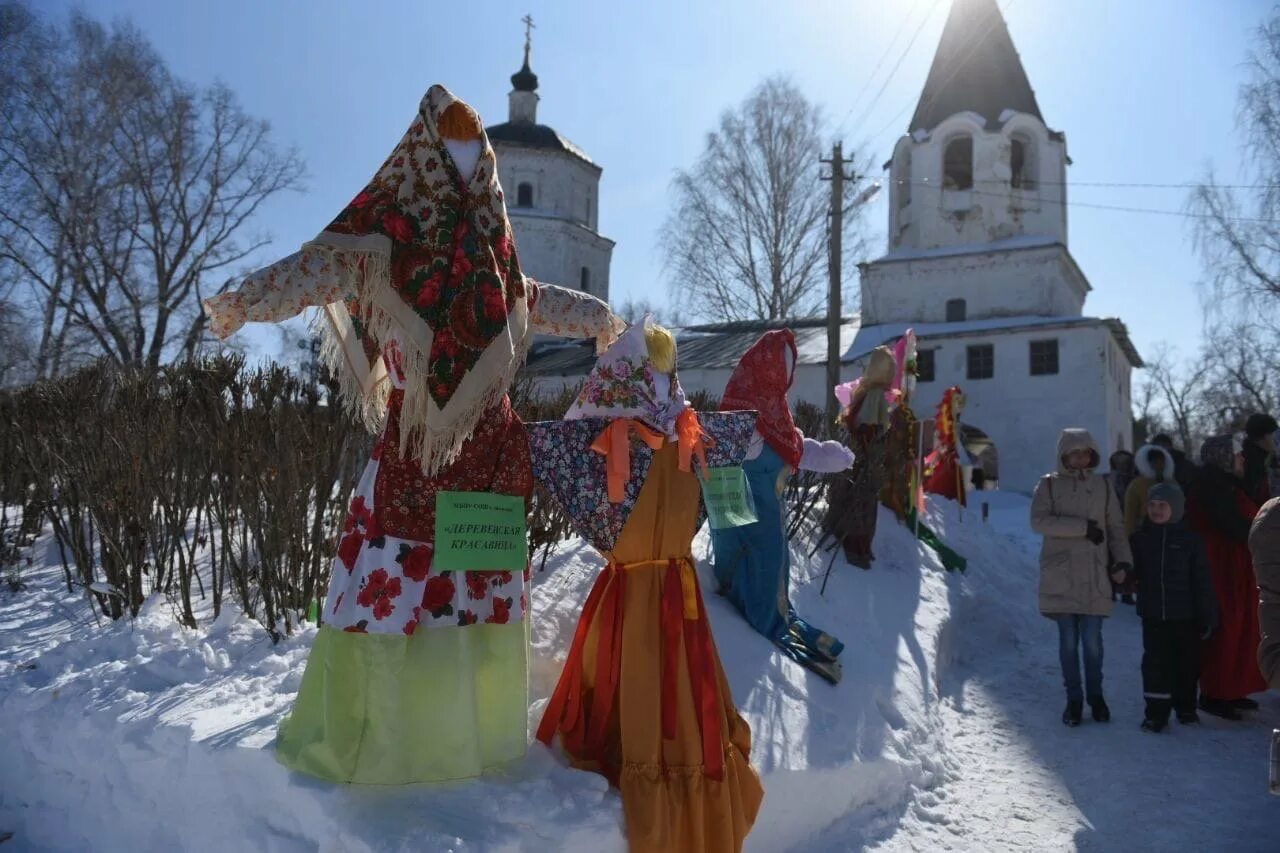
(529, 135)
(976, 69)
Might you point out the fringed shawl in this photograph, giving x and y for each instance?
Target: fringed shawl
(431, 263)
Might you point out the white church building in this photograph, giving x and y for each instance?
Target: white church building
(552, 190)
(978, 262)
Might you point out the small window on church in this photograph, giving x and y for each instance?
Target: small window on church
(1022, 164)
(904, 178)
(1044, 358)
(926, 365)
(957, 311)
(585, 285)
(957, 164)
(524, 195)
(981, 361)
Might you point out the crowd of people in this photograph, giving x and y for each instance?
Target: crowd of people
(1195, 548)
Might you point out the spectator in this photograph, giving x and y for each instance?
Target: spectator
(1221, 511)
(1177, 604)
(1155, 464)
(1122, 472)
(1259, 450)
(1184, 470)
(1076, 512)
(1264, 543)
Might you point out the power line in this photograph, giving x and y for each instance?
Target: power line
(960, 63)
(1120, 208)
(897, 65)
(872, 76)
(1125, 185)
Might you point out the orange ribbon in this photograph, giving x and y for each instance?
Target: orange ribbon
(694, 441)
(614, 444)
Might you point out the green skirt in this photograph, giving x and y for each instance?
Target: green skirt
(387, 709)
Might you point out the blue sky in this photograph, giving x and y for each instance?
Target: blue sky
(1144, 90)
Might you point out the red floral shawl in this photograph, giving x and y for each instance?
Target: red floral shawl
(760, 382)
(433, 265)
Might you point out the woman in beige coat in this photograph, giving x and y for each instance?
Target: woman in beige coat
(1085, 548)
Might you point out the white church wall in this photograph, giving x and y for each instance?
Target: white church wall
(563, 185)
(555, 251)
(1024, 414)
(924, 214)
(1009, 283)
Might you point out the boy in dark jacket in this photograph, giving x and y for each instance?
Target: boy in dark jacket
(1177, 604)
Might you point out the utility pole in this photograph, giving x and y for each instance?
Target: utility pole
(834, 308)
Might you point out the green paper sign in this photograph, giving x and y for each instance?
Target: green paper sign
(480, 532)
(728, 498)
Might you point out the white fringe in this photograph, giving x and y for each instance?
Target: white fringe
(424, 432)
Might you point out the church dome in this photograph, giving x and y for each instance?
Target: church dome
(526, 134)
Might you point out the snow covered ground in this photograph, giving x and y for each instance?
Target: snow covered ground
(944, 734)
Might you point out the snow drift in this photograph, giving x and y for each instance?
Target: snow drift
(149, 736)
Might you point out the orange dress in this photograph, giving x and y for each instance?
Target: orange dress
(643, 698)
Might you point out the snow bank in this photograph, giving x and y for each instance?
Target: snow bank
(148, 736)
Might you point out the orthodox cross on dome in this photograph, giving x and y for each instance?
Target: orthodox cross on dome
(525, 80)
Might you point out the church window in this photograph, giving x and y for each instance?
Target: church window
(1023, 164)
(524, 195)
(1044, 358)
(957, 311)
(585, 278)
(904, 178)
(981, 361)
(926, 365)
(957, 164)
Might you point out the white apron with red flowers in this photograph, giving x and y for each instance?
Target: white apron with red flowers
(386, 583)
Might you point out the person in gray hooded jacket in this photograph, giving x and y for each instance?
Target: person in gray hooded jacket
(1264, 544)
(1085, 549)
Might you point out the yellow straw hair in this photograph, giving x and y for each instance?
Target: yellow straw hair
(662, 348)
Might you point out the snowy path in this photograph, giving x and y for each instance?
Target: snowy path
(943, 735)
(1023, 781)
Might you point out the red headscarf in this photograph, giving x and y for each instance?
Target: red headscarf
(760, 382)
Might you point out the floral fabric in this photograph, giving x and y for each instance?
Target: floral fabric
(577, 478)
(383, 579)
(625, 384)
(760, 382)
(423, 254)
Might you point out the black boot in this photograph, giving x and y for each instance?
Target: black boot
(1219, 708)
(1101, 713)
(1245, 704)
(1153, 726)
(1074, 714)
(1188, 718)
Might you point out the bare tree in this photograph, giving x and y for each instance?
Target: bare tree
(747, 235)
(1237, 231)
(1178, 388)
(1242, 372)
(125, 194)
(633, 310)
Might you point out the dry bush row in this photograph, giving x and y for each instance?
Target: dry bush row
(210, 478)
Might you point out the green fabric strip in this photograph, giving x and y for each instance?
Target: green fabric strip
(950, 559)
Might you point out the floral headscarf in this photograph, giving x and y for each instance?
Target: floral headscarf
(1220, 452)
(625, 384)
(760, 382)
(432, 265)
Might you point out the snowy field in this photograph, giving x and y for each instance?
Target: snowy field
(944, 734)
